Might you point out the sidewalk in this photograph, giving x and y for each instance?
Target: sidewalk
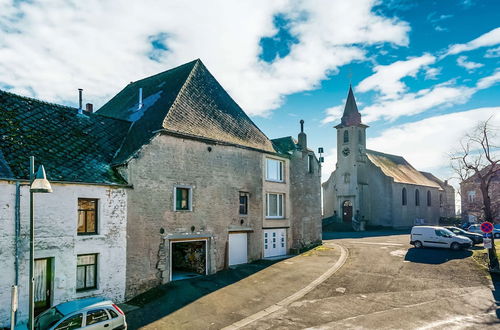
(236, 301)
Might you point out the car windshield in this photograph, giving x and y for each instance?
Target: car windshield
(446, 232)
(48, 319)
(497, 226)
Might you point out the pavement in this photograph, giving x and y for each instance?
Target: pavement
(370, 280)
(236, 295)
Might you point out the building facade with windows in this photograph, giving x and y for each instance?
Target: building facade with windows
(380, 188)
(80, 228)
(210, 190)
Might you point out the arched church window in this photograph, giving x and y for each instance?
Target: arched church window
(347, 178)
(403, 196)
(417, 197)
(346, 136)
(440, 200)
(429, 198)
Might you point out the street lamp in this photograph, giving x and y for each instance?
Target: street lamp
(38, 184)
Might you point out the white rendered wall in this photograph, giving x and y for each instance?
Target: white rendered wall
(56, 237)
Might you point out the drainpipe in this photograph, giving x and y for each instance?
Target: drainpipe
(17, 217)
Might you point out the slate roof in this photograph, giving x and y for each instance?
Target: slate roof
(351, 115)
(72, 147)
(285, 145)
(186, 100)
(432, 177)
(399, 169)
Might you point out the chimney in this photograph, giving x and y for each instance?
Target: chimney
(302, 136)
(139, 107)
(80, 99)
(89, 107)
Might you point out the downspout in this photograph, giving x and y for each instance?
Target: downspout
(17, 217)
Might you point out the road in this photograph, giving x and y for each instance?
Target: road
(387, 284)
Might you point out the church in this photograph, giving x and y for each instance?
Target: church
(380, 188)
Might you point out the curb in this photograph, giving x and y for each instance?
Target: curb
(344, 253)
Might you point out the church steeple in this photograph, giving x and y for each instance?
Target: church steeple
(351, 116)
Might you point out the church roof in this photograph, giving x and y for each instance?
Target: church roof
(72, 147)
(430, 176)
(399, 169)
(186, 100)
(351, 116)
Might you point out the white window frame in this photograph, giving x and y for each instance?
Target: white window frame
(281, 197)
(471, 196)
(281, 170)
(190, 201)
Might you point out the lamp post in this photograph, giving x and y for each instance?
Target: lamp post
(38, 184)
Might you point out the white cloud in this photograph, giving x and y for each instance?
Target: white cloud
(333, 114)
(387, 78)
(432, 73)
(493, 52)
(469, 65)
(59, 46)
(442, 95)
(427, 143)
(491, 38)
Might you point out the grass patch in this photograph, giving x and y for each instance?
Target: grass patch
(316, 250)
(481, 256)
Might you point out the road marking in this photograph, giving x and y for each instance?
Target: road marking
(344, 253)
(377, 243)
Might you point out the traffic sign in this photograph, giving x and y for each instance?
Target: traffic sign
(487, 243)
(486, 227)
(487, 235)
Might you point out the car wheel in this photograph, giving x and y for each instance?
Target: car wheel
(496, 235)
(418, 244)
(455, 246)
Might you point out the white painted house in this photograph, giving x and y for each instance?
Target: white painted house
(80, 228)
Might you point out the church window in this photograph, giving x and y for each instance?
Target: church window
(403, 196)
(347, 178)
(429, 198)
(417, 197)
(360, 137)
(441, 200)
(346, 136)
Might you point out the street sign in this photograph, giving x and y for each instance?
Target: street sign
(486, 227)
(487, 235)
(487, 243)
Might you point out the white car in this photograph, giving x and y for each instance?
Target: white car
(477, 229)
(88, 313)
(435, 236)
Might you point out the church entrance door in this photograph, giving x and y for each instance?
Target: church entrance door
(347, 211)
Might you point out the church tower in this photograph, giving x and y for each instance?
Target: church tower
(351, 160)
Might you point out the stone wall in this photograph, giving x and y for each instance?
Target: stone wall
(305, 192)
(217, 174)
(56, 237)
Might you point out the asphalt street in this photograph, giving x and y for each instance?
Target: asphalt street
(387, 284)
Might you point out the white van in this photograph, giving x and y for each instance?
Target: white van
(434, 236)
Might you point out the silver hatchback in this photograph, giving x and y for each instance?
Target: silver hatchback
(88, 313)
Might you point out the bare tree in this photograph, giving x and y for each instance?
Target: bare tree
(478, 159)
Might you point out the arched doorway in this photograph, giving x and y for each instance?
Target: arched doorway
(346, 211)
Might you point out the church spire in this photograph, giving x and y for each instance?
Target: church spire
(351, 116)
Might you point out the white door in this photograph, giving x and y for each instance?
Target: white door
(238, 249)
(274, 242)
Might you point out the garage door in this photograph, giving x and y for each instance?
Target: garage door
(237, 248)
(274, 242)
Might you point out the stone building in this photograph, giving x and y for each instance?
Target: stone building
(472, 198)
(210, 190)
(80, 239)
(380, 188)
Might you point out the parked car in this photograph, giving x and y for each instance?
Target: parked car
(88, 313)
(435, 236)
(475, 238)
(477, 229)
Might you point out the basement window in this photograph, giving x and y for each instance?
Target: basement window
(182, 198)
(87, 216)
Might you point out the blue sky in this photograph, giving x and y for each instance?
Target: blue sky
(423, 72)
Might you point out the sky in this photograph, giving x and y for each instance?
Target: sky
(423, 72)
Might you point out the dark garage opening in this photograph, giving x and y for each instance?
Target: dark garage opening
(188, 259)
